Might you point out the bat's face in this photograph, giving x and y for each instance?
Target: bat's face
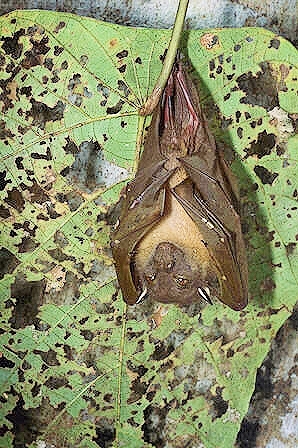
(171, 276)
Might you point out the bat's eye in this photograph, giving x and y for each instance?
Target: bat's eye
(182, 282)
(150, 277)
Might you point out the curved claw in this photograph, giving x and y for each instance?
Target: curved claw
(142, 296)
(204, 295)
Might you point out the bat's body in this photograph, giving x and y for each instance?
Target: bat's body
(179, 236)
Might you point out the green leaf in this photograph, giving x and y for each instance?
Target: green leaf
(77, 363)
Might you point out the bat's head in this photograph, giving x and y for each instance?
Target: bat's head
(170, 276)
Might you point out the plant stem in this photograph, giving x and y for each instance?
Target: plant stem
(153, 99)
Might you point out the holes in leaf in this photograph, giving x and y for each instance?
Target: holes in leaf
(122, 54)
(260, 89)
(123, 87)
(58, 50)
(220, 406)
(42, 113)
(91, 170)
(267, 285)
(6, 363)
(11, 45)
(28, 297)
(105, 433)
(4, 134)
(8, 262)
(116, 108)
(263, 146)
(266, 176)
(35, 55)
(25, 424)
(27, 244)
(163, 348)
(70, 147)
(274, 43)
(56, 382)
(290, 248)
(155, 419)
(15, 199)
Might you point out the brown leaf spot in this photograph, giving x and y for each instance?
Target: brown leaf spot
(12, 90)
(59, 27)
(113, 42)
(210, 41)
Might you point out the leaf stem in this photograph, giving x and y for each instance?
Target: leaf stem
(153, 99)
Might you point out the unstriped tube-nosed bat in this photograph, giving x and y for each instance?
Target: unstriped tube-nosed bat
(179, 238)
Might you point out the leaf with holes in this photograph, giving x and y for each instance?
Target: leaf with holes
(79, 368)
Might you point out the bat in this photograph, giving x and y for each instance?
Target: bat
(179, 238)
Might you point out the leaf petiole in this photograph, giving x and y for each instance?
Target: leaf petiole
(153, 99)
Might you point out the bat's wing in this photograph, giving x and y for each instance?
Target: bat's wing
(209, 203)
(142, 209)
